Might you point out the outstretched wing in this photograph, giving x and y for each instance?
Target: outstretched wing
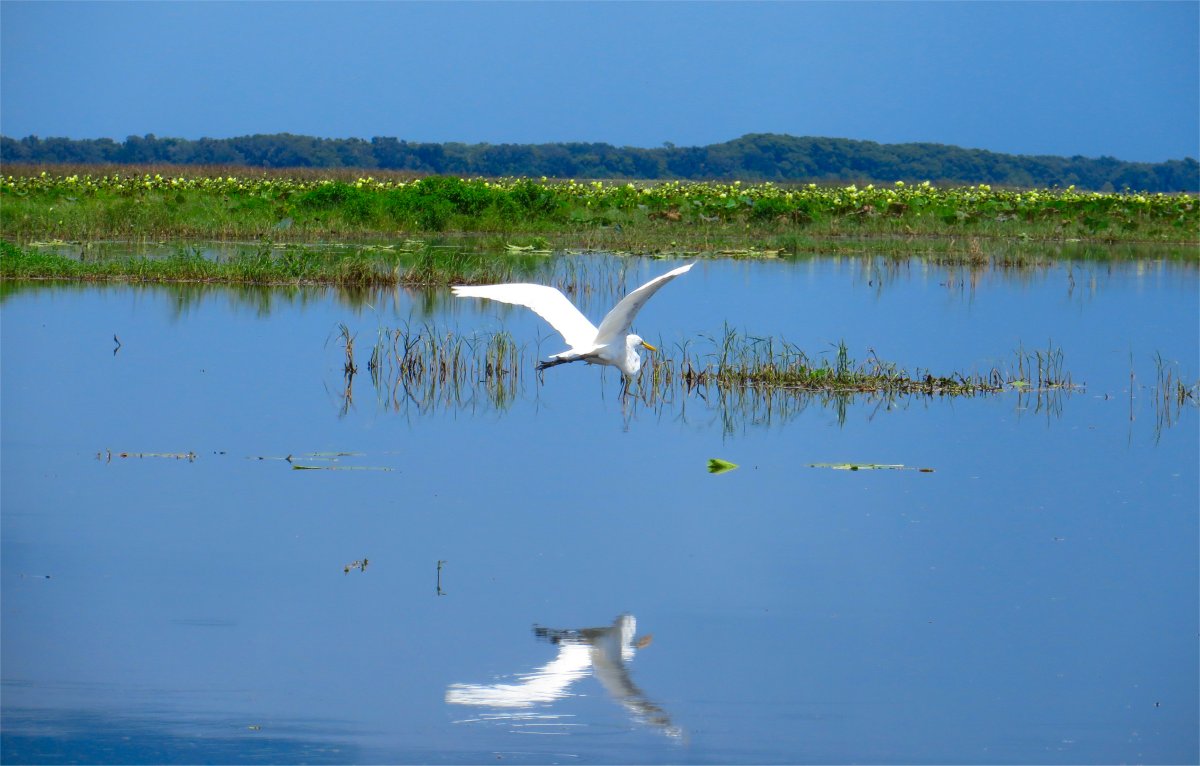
(546, 302)
(618, 321)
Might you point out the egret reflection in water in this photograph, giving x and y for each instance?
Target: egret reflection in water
(603, 652)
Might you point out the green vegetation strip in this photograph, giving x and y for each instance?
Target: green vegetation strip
(738, 361)
(264, 265)
(433, 367)
(671, 215)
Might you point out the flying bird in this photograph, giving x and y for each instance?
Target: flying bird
(611, 343)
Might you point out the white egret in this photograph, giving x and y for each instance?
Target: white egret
(611, 343)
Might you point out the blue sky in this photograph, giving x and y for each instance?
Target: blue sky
(1064, 78)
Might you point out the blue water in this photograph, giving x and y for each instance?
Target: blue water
(559, 580)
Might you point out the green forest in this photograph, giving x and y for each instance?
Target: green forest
(754, 157)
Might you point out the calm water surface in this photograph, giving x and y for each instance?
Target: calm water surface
(558, 580)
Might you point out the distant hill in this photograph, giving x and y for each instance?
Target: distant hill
(753, 157)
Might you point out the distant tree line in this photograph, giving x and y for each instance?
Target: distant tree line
(754, 157)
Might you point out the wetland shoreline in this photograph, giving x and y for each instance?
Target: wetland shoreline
(966, 224)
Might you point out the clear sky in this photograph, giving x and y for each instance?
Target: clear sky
(1065, 78)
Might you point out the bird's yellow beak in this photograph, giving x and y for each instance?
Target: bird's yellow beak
(647, 345)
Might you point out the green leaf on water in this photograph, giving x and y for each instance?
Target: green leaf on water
(717, 465)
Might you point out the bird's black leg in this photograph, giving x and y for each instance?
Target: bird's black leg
(554, 361)
(551, 363)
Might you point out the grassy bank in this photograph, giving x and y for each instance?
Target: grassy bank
(634, 217)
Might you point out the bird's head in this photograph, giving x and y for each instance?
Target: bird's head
(633, 341)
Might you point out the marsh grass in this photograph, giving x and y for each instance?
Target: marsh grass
(633, 216)
(429, 368)
(1041, 369)
(1170, 394)
(737, 361)
(349, 367)
(355, 267)
(743, 378)
(1040, 380)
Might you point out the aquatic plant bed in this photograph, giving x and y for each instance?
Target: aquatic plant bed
(633, 216)
(438, 366)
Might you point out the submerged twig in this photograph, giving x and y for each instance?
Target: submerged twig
(108, 455)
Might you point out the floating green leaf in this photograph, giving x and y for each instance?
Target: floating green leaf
(717, 465)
